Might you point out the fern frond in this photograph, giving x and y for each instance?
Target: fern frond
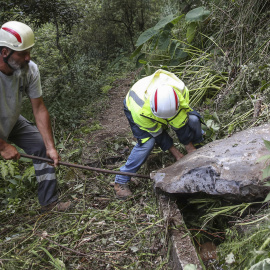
(29, 173)
(3, 169)
(12, 167)
(8, 167)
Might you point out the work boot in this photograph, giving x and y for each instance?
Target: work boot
(122, 191)
(56, 206)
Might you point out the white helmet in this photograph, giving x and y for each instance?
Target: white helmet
(164, 102)
(16, 36)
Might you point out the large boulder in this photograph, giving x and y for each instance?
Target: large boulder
(228, 168)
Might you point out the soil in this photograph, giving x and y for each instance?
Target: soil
(114, 124)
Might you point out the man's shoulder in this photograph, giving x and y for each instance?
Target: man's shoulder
(32, 72)
(33, 66)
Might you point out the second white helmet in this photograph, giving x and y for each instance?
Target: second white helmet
(164, 102)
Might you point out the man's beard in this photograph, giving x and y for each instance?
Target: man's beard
(18, 69)
(12, 63)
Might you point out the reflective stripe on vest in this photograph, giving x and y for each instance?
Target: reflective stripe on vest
(136, 98)
(151, 130)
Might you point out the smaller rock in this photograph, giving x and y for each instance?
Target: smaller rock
(208, 251)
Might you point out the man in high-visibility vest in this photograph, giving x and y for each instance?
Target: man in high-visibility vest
(151, 105)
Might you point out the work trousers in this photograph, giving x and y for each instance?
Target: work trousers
(26, 136)
(137, 157)
(192, 131)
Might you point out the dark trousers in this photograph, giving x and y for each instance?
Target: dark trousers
(26, 136)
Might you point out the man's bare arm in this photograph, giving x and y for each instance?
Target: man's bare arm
(44, 126)
(176, 153)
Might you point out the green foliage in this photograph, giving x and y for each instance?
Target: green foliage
(194, 18)
(29, 174)
(8, 167)
(151, 32)
(56, 263)
(105, 89)
(40, 12)
(93, 127)
(191, 31)
(227, 210)
(15, 184)
(212, 126)
(247, 247)
(163, 38)
(197, 14)
(113, 26)
(158, 38)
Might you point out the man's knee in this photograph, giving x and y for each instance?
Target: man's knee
(194, 121)
(149, 145)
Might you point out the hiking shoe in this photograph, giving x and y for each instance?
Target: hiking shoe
(56, 206)
(122, 191)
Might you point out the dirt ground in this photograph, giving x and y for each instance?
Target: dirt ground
(113, 122)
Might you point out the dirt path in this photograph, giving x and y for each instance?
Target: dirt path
(113, 122)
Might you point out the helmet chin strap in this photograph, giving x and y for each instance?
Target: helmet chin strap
(6, 59)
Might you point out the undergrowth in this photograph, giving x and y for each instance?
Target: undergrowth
(98, 232)
(247, 242)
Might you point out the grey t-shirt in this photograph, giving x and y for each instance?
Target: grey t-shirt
(12, 89)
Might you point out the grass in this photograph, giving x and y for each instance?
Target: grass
(98, 232)
(247, 241)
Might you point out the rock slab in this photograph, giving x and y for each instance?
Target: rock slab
(228, 168)
(182, 250)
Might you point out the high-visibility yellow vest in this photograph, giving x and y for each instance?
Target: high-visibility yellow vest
(138, 102)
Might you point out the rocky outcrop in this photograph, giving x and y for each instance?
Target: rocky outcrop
(228, 168)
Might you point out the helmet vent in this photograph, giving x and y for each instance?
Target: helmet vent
(156, 101)
(176, 100)
(14, 33)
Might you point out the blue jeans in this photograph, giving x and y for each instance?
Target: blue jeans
(135, 160)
